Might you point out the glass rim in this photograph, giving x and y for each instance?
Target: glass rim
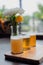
(26, 36)
(16, 37)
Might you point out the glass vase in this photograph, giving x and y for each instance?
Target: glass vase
(14, 28)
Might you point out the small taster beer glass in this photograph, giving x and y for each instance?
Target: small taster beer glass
(32, 40)
(26, 39)
(16, 44)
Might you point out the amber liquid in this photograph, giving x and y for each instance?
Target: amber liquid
(16, 46)
(26, 43)
(33, 41)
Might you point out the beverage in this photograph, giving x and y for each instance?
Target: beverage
(16, 44)
(26, 42)
(33, 40)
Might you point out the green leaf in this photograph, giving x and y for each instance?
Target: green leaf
(40, 7)
(39, 13)
(26, 19)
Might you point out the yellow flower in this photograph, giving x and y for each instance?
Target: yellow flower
(19, 19)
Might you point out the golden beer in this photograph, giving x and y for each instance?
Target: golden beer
(16, 44)
(26, 42)
(33, 40)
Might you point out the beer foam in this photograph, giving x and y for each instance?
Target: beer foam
(16, 37)
(31, 33)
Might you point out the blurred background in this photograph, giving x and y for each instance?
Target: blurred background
(33, 15)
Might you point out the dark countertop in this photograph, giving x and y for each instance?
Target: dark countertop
(4, 47)
(39, 36)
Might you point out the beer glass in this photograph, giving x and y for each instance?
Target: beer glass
(16, 44)
(26, 39)
(32, 40)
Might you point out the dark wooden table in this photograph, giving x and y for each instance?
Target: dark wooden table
(4, 47)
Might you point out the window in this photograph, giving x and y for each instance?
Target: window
(31, 6)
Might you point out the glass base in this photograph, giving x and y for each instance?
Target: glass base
(16, 53)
